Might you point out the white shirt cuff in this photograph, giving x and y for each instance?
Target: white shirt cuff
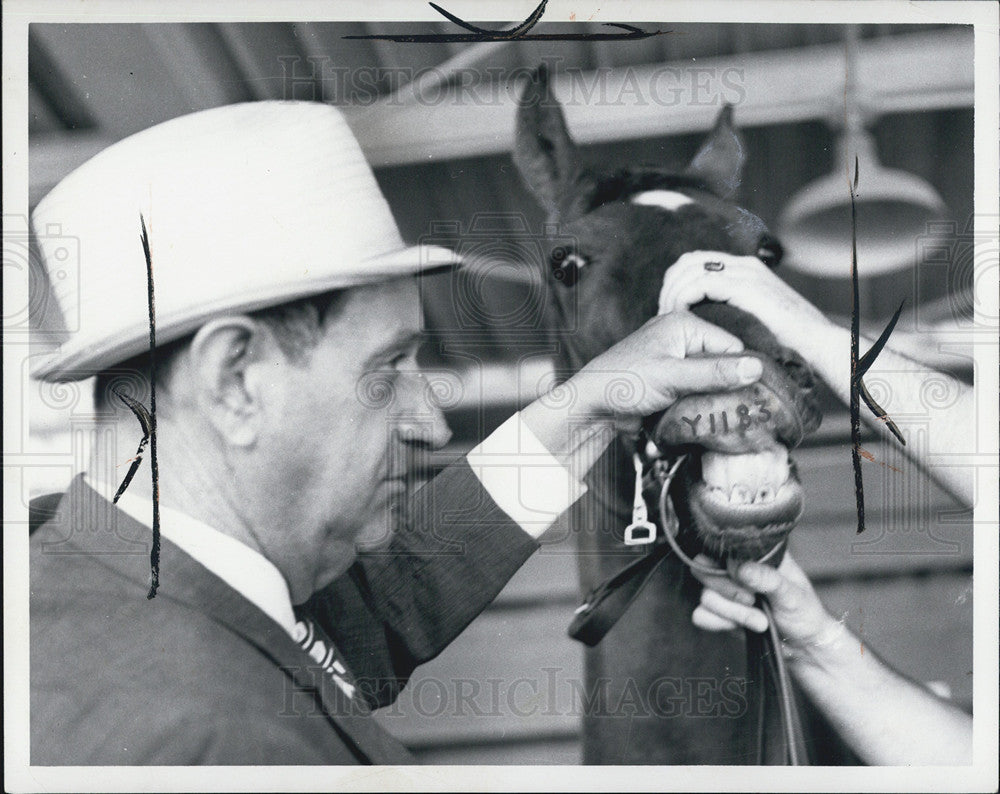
(523, 477)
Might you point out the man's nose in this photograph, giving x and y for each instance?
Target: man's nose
(424, 425)
(426, 430)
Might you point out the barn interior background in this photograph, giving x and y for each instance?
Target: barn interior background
(510, 690)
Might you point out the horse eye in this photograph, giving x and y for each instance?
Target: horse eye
(769, 251)
(566, 266)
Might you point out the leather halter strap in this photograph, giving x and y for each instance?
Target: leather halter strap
(609, 601)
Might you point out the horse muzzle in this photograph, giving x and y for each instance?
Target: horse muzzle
(741, 494)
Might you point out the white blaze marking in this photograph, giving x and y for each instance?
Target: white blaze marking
(665, 199)
(669, 200)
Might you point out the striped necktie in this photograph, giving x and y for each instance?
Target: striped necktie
(314, 641)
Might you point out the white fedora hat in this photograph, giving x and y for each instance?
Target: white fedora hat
(246, 206)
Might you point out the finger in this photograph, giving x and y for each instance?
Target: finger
(677, 279)
(691, 265)
(686, 279)
(701, 336)
(782, 593)
(759, 578)
(727, 588)
(680, 291)
(711, 374)
(705, 619)
(704, 559)
(681, 334)
(685, 295)
(745, 616)
(792, 571)
(722, 584)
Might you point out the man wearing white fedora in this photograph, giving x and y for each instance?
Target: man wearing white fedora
(289, 412)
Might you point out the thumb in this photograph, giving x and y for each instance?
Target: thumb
(711, 374)
(791, 570)
(760, 578)
(784, 596)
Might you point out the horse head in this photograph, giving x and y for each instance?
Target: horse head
(741, 496)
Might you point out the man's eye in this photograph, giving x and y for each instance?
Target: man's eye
(404, 359)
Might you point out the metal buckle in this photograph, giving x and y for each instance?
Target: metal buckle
(640, 533)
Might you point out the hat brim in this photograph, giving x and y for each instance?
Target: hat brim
(77, 362)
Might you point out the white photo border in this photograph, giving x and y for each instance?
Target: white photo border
(19, 776)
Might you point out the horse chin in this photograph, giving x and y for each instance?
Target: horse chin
(729, 526)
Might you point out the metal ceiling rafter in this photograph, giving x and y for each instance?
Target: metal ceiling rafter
(204, 76)
(247, 59)
(776, 87)
(51, 85)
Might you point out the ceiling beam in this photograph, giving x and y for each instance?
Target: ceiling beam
(905, 73)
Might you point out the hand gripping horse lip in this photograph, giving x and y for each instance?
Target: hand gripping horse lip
(743, 493)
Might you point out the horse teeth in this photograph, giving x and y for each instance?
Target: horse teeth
(765, 494)
(767, 468)
(718, 493)
(740, 495)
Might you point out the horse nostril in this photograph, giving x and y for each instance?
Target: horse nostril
(769, 250)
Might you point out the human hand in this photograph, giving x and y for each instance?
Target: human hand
(671, 355)
(748, 284)
(803, 623)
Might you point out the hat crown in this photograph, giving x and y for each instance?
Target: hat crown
(245, 205)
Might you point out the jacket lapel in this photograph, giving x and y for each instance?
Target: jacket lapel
(122, 544)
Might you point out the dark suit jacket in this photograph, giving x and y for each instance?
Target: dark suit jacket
(199, 675)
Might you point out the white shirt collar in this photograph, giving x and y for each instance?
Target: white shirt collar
(245, 570)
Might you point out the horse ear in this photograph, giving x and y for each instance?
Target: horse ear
(721, 157)
(544, 153)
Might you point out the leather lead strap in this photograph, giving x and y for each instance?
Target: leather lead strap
(609, 601)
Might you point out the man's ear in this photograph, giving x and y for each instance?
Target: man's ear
(220, 356)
